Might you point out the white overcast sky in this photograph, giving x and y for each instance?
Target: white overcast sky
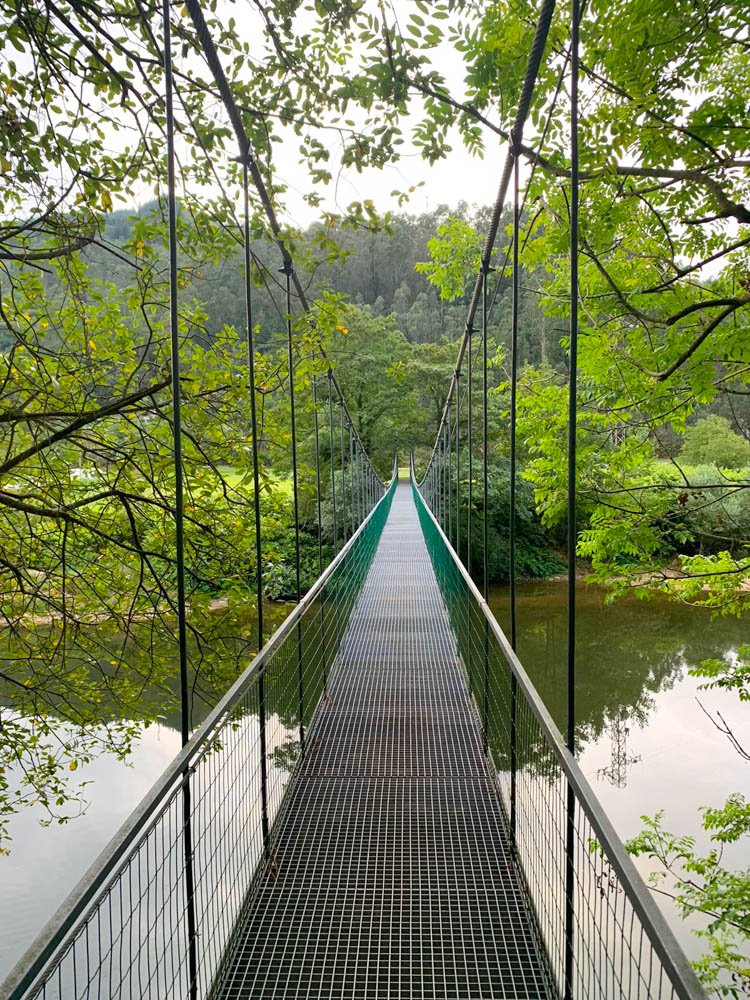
(458, 177)
(461, 177)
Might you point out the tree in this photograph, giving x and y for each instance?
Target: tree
(712, 441)
(87, 483)
(454, 255)
(371, 359)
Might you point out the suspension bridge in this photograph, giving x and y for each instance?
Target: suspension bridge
(381, 806)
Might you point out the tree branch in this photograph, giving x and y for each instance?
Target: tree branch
(662, 376)
(82, 421)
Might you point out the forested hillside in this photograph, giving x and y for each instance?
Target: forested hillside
(369, 265)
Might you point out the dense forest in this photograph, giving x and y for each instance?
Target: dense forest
(380, 266)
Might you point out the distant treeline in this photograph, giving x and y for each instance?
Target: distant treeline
(373, 268)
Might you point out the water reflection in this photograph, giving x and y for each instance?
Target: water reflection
(32, 876)
(627, 654)
(643, 739)
(237, 778)
(616, 772)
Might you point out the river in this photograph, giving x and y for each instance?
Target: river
(644, 741)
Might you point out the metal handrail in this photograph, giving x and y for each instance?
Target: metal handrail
(675, 962)
(53, 938)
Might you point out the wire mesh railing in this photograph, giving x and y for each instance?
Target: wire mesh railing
(601, 929)
(142, 920)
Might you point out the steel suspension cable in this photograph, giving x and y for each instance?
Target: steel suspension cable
(449, 476)
(265, 824)
(436, 479)
(295, 503)
(344, 518)
(457, 384)
(513, 404)
(454, 386)
(469, 449)
(318, 512)
(179, 512)
(250, 343)
(361, 479)
(185, 706)
(524, 104)
(249, 161)
(316, 435)
(332, 462)
(485, 512)
(512, 512)
(440, 475)
(571, 487)
(527, 187)
(446, 482)
(480, 288)
(485, 521)
(247, 154)
(573, 373)
(351, 479)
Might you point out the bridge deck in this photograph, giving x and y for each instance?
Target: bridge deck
(394, 877)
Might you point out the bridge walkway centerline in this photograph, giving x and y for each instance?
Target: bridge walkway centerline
(391, 873)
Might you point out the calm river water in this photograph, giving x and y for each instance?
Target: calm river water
(645, 742)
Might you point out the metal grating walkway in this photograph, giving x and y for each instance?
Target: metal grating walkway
(393, 872)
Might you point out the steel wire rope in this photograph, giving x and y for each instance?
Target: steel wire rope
(248, 159)
(512, 499)
(351, 479)
(514, 247)
(535, 55)
(448, 483)
(316, 446)
(573, 369)
(534, 155)
(262, 754)
(262, 269)
(480, 289)
(486, 315)
(331, 449)
(185, 720)
(268, 279)
(344, 517)
(535, 158)
(524, 104)
(247, 153)
(570, 916)
(457, 377)
(295, 506)
(485, 518)
(249, 162)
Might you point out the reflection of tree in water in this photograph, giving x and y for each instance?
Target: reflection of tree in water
(98, 693)
(118, 682)
(616, 772)
(626, 653)
(135, 677)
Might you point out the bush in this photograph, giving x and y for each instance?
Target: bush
(712, 441)
(714, 510)
(279, 576)
(535, 553)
